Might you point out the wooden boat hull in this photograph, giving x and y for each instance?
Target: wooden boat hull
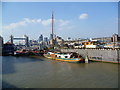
(76, 60)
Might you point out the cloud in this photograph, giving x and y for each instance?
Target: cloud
(83, 16)
(46, 22)
(63, 22)
(27, 21)
(14, 25)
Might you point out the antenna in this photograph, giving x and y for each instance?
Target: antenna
(52, 28)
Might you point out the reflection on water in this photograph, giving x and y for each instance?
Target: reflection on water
(25, 72)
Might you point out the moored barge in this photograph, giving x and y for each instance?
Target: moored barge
(67, 57)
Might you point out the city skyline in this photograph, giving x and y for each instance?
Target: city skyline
(75, 19)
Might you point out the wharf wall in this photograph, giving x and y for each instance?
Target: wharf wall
(0, 51)
(105, 55)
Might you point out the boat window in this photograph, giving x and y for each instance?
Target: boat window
(93, 57)
(55, 55)
(59, 56)
(65, 56)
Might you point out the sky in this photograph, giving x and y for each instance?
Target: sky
(71, 19)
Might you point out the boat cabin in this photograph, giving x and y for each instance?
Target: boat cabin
(63, 55)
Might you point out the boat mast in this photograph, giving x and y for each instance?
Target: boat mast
(52, 30)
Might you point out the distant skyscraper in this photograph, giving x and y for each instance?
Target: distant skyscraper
(40, 38)
(50, 37)
(115, 37)
(45, 39)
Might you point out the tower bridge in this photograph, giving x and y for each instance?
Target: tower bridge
(25, 38)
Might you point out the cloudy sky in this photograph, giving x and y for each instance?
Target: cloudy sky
(72, 19)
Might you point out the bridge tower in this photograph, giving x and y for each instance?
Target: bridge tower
(26, 40)
(11, 39)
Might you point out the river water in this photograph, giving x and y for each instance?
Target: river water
(27, 72)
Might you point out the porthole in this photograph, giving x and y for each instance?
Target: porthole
(65, 56)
